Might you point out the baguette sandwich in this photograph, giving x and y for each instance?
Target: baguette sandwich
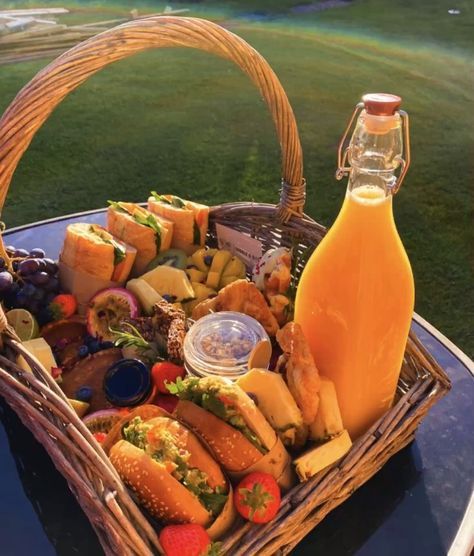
(91, 249)
(229, 422)
(149, 233)
(173, 476)
(190, 220)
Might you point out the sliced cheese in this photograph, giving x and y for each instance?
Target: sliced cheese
(328, 420)
(39, 348)
(275, 402)
(319, 458)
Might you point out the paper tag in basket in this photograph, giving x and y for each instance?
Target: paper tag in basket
(247, 248)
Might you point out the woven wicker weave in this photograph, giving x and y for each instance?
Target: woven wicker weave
(43, 408)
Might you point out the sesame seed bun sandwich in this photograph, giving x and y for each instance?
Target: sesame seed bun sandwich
(234, 429)
(170, 471)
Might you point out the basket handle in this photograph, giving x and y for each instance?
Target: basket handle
(35, 102)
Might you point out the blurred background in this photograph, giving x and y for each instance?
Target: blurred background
(184, 122)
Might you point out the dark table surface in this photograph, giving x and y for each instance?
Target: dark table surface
(413, 506)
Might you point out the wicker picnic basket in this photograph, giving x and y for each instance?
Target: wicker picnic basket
(121, 527)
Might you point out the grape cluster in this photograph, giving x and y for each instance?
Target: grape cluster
(33, 283)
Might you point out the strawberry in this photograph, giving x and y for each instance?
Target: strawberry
(63, 306)
(165, 372)
(189, 539)
(257, 497)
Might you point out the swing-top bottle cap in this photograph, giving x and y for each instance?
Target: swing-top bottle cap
(381, 104)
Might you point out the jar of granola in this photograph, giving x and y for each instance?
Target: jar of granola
(221, 344)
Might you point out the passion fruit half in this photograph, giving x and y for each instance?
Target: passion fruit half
(103, 420)
(107, 309)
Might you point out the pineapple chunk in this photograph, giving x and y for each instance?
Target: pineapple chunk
(275, 402)
(328, 420)
(317, 459)
(167, 280)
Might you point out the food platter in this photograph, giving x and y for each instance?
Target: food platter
(122, 302)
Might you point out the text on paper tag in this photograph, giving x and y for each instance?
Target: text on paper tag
(247, 248)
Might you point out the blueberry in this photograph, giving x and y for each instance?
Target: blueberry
(169, 298)
(83, 351)
(84, 394)
(208, 260)
(94, 346)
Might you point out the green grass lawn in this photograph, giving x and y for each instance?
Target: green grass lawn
(184, 122)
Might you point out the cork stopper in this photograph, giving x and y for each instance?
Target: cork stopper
(381, 104)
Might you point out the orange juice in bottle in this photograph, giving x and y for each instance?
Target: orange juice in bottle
(356, 294)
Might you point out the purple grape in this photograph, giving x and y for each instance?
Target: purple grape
(39, 278)
(10, 249)
(49, 297)
(15, 265)
(3, 263)
(37, 253)
(52, 285)
(42, 265)
(39, 295)
(22, 300)
(28, 290)
(28, 266)
(44, 316)
(51, 266)
(20, 253)
(34, 306)
(6, 281)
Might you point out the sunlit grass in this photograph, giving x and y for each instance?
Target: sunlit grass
(185, 122)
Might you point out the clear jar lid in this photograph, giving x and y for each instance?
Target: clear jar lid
(220, 344)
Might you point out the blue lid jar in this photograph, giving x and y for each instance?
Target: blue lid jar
(127, 383)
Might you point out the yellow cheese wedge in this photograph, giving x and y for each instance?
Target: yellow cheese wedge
(275, 402)
(39, 348)
(319, 458)
(328, 420)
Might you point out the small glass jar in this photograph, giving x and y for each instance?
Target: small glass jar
(127, 383)
(220, 344)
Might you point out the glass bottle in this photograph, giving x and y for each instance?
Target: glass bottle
(356, 294)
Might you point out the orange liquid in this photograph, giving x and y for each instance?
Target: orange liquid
(355, 303)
